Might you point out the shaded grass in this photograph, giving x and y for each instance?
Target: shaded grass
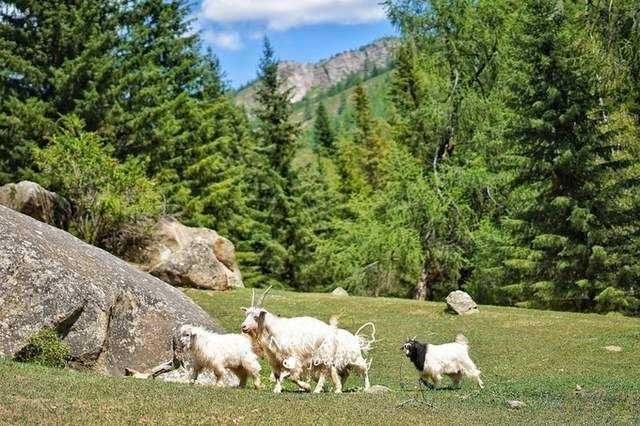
(534, 356)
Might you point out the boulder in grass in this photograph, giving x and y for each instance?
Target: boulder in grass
(192, 257)
(339, 291)
(111, 316)
(461, 303)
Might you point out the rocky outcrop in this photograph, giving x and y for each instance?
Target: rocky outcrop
(302, 78)
(111, 315)
(461, 303)
(192, 257)
(35, 201)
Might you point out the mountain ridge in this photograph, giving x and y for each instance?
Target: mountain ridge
(305, 78)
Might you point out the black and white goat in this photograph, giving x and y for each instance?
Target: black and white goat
(306, 340)
(219, 352)
(449, 359)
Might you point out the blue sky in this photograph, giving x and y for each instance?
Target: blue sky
(300, 30)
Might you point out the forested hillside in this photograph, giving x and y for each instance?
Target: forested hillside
(499, 155)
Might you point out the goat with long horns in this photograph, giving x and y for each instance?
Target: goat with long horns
(311, 341)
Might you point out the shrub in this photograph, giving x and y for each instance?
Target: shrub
(45, 348)
(115, 204)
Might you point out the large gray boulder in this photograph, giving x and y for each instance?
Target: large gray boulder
(461, 303)
(111, 315)
(33, 200)
(192, 257)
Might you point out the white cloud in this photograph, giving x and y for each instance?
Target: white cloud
(284, 14)
(228, 40)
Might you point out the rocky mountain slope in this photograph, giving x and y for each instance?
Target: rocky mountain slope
(304, 79)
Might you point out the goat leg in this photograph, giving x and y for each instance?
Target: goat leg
(337, 382)
(320, 386)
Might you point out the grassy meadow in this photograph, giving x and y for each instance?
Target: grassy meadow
(537, 357)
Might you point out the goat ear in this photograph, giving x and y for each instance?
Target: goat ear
(262, 313)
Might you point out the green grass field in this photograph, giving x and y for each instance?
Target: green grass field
(537, 357)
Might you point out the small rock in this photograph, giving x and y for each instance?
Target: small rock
(613, 348)
(182, 375)
(461, 303)
(339, 291)
(378, 390)
(136, 374)
(515, 404)
(579, 390)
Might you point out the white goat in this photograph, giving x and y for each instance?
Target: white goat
(305, 339)
(349, 353)
(449, 359)
(219, 352)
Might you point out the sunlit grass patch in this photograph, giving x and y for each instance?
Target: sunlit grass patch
(537, 357)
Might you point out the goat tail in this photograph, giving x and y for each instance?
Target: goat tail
(462, 340)
(366, 344)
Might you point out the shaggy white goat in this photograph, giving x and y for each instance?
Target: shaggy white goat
(449, 359)
(349, 354)
(218, 352)
(305, 339)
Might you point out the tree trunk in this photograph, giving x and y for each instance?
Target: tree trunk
(422, 286)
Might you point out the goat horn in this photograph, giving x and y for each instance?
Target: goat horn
(264, 295)
(253, 296)
(414, 337)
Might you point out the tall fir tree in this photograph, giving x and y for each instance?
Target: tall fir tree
(406, 92)
(274, 176)
(161, 78)
(130, 70)
(367, 138)
(54, 59)
(323, 135)
(575, 237)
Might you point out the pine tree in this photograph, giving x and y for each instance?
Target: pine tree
(274, 177)
(323, 135)
(129, 70)
(406, 92)
(574, 236)
(367, 138)
(307, 112)
(342, 106)
(55, 56)
(161, 78)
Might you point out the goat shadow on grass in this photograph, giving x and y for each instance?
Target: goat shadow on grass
(324, 392)
(432, 387)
